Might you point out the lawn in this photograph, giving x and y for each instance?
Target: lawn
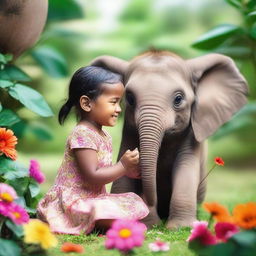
(226, 185)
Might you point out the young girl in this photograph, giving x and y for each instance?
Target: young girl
(78, 201)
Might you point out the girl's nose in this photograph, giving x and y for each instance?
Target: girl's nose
(118, 108)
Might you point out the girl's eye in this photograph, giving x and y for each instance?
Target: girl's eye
(130, 98)
(178, 100)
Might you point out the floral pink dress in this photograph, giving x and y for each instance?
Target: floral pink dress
(72, 205)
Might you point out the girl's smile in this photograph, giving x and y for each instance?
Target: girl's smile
(106, 108)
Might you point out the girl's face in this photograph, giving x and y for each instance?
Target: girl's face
(106, 108)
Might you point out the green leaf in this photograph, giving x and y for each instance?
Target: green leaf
(32, 99)
(5, 58)
(245, 238)
(51, 61)
(1, 108)
(16, 229)
(20, 185)
(5, 83)
(221, 249)
(21, 201)
(7, 164)
(253, 31)
(64, 10)
(241, 120)
(9, 248)
(8, 118)
(216, 36)
(19, 173)
(12, 169)
(2, 58)
(252, 14)
(34, 189)
(20, 128)
(11, 72)
(235, 3)
(235, 51)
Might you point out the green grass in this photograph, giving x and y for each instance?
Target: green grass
(228, 186)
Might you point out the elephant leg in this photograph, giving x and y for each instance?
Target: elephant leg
(183, 203)
(152, 218)
(203, 182)
(126, 184)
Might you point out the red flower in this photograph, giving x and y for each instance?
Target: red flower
(71, 247)
(201, 234)
(219, 161)
(224, 230)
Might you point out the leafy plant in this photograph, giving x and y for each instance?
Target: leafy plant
(238, 42)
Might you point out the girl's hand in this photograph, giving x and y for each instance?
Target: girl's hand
(130, 161)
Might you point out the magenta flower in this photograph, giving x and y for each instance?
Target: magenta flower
(17, 214)
(158, 246)
(124, 235)
(35, 172)
(7, 193)
(4, 208)
(202, 234)
(224, 230)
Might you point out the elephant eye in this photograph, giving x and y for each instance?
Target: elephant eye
(130, 98)
(178, 100)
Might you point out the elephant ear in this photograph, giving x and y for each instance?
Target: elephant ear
(112, 63)
(220, 91)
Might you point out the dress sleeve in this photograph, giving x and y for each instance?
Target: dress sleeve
(83, 138)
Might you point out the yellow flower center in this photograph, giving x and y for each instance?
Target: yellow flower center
(16, 214)
(6, 197)
(125, 233)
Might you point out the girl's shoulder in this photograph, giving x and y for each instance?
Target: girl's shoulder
(85, 137)
(85, 130)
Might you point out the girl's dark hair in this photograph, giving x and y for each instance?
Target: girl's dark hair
(86, 81)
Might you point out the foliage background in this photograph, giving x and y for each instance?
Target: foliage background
(78, 32)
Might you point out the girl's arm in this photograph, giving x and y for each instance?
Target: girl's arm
(87, 162)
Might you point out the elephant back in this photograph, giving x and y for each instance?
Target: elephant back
(21, 23)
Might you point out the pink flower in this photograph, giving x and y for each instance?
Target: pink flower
(158, 246)
(17, 214)
(7, 193)
(4, 208)
(35, 172)
(202, 234)
(224, 230)
(124, 235)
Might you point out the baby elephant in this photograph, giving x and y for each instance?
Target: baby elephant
(172, 106)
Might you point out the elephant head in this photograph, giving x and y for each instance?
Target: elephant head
(166, 94)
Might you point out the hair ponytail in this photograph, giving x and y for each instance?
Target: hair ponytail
(64, 111)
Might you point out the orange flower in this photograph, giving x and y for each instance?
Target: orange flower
(219, 161)
(71, 247)
(7, 143)
(245, 215)
(218, 212)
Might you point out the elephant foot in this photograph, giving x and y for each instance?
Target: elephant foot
(178, 223)
(151, 219)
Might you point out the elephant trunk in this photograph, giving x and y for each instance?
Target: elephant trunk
(150, 134)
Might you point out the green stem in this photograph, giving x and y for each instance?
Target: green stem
(207, 174)
(2, 219)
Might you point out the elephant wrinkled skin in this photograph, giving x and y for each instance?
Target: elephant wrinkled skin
(172, 106)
